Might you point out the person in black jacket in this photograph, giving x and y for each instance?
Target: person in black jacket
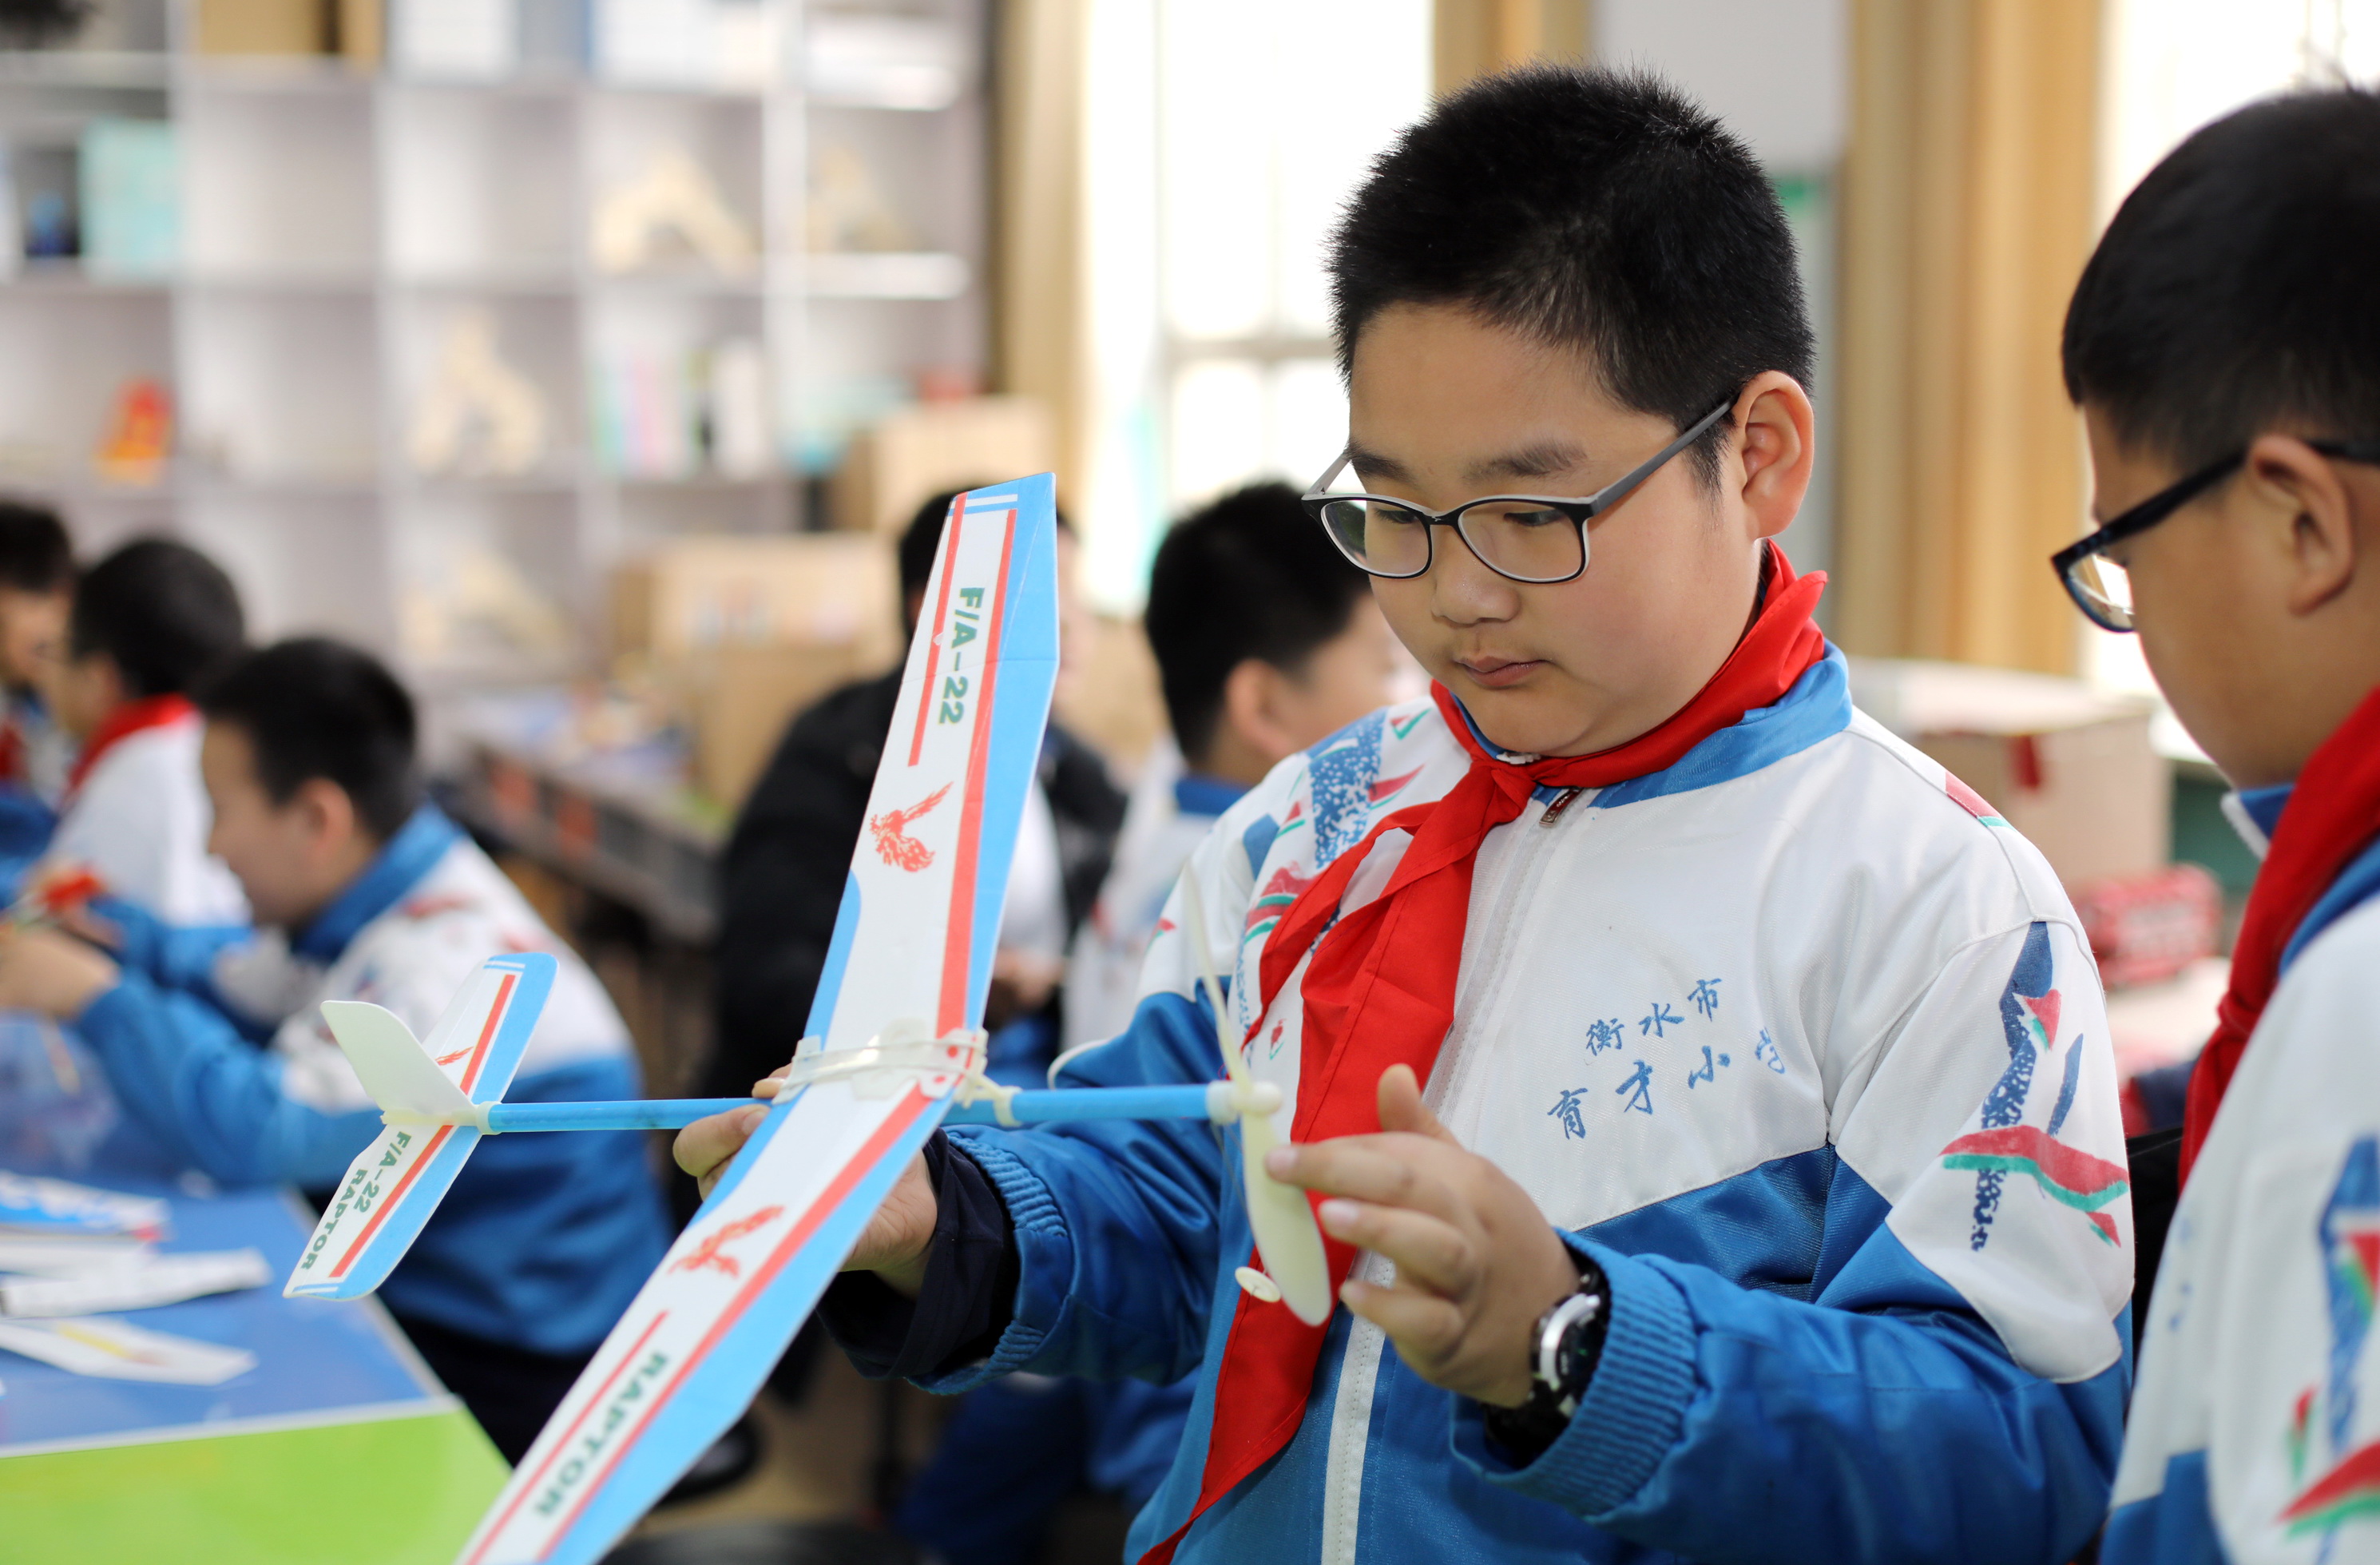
(782, 878)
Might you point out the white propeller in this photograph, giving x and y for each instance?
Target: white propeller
(1287, 1239)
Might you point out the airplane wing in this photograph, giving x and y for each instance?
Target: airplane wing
(397, 1182)
(910, 959)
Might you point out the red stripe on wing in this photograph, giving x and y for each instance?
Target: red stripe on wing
(958, 941)
(405, 1181)
(488, 1032)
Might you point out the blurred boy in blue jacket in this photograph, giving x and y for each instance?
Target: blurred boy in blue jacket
(214, 1038)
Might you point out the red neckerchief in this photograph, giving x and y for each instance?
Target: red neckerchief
(2332, 815)
(132, 717)
(1380, 991)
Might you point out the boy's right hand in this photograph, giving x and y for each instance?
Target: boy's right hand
(894, 1244)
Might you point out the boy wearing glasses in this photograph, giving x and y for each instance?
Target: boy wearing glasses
(1709, 1099)
(2224, 346)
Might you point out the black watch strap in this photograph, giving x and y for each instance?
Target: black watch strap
(1564, 1348)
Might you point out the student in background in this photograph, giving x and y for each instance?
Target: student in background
(148, 622)
(215, 1045)
(1267, 641)
(782, 875)
(37, 577)
(2224, 347)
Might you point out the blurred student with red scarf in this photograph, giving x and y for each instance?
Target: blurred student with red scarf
(147, 623)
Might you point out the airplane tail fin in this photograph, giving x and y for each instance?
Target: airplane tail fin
(433, 1095)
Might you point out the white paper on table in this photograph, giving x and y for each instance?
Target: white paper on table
(116, 1350)
(53, 1206)
(68, 1256)
(138, 1284)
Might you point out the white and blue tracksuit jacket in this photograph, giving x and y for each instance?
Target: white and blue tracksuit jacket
(216, 1043)
(1808, 1053)
(2256, 1434)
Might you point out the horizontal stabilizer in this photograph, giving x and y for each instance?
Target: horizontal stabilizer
(434, 1097)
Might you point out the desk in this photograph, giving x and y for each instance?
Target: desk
(339, 1447)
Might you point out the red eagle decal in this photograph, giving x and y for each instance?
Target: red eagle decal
(709, 1252)
(893, 843)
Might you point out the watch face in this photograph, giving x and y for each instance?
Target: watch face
(1571, 1361)
(1572, 1358)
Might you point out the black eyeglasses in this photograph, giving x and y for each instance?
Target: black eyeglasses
(2102, 588)
(1531, 538)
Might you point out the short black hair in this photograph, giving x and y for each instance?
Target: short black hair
(313, 707)
(923, 535)
(1249, 575)
(164, 614)
(2234, 289)
(1599, 211)
(35, 554)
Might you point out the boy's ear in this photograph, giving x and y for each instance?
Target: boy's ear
(1251, 711)
(1775, 446)
(108, 677)
(2299, 488)
(330, 814)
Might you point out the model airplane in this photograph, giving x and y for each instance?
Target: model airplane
(894, 1050)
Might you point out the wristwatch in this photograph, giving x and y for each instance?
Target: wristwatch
(1564, 1348)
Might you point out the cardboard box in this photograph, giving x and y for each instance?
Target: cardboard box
(740, 699)
(263, 27)
(693, 596)
(917, 452)
(361, 31)
(2068, 766)
(2146, 929)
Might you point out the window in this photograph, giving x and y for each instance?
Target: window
(1223, 137)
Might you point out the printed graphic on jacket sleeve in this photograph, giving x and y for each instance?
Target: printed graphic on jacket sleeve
(1279, 894)
(1344, 768)
(2348, 1235)
(2005, 1144)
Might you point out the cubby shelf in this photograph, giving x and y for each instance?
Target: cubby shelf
(336, 222)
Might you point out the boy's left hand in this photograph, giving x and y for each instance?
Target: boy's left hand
(56, 974)
(1476, 1262)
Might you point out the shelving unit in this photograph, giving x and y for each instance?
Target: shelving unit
(332, 227)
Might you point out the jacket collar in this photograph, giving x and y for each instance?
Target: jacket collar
(1194, 793)
(403, 860)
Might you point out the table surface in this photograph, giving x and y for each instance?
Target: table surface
(338, 1446)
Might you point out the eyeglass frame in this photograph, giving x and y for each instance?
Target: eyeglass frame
(1580, 511)
(2139, 519)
